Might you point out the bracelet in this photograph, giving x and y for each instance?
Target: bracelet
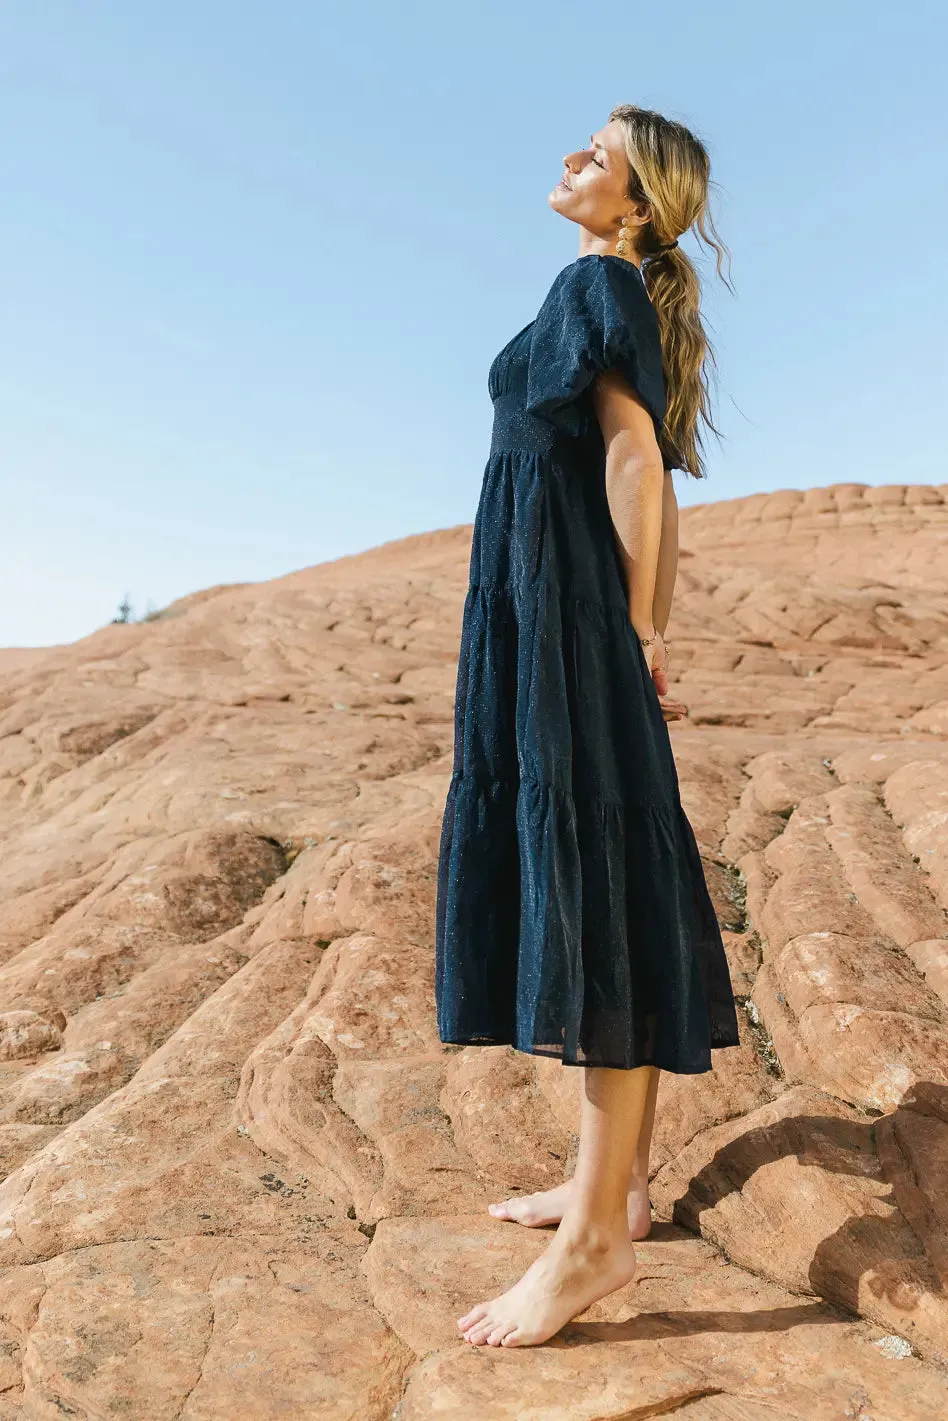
(648, 640)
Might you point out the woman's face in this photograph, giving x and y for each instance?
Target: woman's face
(592, 190)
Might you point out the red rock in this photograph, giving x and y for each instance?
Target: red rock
(796, 1192)
(494, 1098)
(657, 1343)
(243, 1175)
(25, 1033)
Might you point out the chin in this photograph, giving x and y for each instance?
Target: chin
(556, 201)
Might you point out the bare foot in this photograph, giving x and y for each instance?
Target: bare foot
(572, 1273)
(549, 1205)
(545, 1207)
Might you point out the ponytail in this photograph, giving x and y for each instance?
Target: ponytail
(670, 170)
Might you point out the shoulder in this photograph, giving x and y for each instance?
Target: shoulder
(597, 316)
(603, 289)
(593, 273)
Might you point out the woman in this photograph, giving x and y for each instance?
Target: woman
(573, 919)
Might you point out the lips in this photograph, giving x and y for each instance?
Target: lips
(563, 183)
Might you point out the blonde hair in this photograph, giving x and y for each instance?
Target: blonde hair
(670, 170)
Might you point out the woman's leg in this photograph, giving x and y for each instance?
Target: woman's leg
(547, 1205)
(591, 1253)
(639, 1209)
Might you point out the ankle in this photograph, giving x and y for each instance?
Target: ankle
(594, 1237)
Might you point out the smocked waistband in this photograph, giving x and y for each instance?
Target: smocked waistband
(515, 429)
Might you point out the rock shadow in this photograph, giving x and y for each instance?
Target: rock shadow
(655, 1326)
(900, 1257)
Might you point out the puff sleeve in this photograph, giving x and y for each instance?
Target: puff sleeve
(596, 316)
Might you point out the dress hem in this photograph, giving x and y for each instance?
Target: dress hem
(677, 1070)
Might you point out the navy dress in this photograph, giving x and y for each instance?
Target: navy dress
(573, 919)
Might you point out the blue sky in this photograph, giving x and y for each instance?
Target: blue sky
(257, 260)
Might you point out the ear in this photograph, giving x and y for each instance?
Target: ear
(641, 212)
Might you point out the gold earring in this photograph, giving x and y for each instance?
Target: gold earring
(624, 244)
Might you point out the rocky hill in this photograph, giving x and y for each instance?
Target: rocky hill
(243, 1178)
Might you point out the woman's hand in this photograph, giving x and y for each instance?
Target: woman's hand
(672, 709)
(656, 655)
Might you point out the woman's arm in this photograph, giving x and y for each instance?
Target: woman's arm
(635, 482)
(667, 556)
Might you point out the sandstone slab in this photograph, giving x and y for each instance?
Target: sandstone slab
(243, 1177)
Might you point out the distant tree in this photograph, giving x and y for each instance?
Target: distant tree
(124, 611)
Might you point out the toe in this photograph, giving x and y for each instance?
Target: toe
(470, 1318)
(499, 1211)
(511, 1338)
(496, 1335)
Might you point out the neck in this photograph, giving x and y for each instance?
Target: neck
(590, 244)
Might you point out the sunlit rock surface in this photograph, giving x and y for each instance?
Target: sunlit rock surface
(242, 1176)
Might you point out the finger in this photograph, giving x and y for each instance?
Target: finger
(671, 704)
